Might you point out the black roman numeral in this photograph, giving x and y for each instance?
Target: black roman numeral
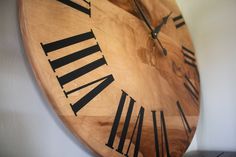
(81, 71)
(73, 75)
(60, 62)
(179, 21)
(155, 133)
(163, 126)
(106, 81)
(189, 57)
(78, 6)
(191, 88)
(138, 124)
(183, 117)
(53, 46)
(163, 133)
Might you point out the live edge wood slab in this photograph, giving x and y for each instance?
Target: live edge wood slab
(101, 65)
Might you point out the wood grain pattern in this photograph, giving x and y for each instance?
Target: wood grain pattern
(133, 60)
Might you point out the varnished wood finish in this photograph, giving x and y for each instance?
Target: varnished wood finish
(134, 60)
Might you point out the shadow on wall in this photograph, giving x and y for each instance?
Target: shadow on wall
(28, 125)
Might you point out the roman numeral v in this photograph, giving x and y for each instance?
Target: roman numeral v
(164, 136)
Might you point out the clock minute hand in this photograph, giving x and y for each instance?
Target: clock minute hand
(158, 28)
(143, 16)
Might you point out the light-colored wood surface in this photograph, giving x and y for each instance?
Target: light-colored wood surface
(154, 81)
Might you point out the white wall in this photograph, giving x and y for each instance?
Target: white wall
(30, 128)
(213, 27)
(28, 125)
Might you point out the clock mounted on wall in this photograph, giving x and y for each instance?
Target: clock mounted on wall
(121, 74)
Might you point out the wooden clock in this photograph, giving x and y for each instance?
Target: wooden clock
(121, 74)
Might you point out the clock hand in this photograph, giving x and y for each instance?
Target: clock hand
(163, 49)
(158, 28)
(143, 16)
(150, 27)
(156, 31)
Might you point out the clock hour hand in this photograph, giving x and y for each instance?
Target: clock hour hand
(163, 49)
(156, 31)
(147, 22)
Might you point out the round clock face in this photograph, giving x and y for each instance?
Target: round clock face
(121, 74)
